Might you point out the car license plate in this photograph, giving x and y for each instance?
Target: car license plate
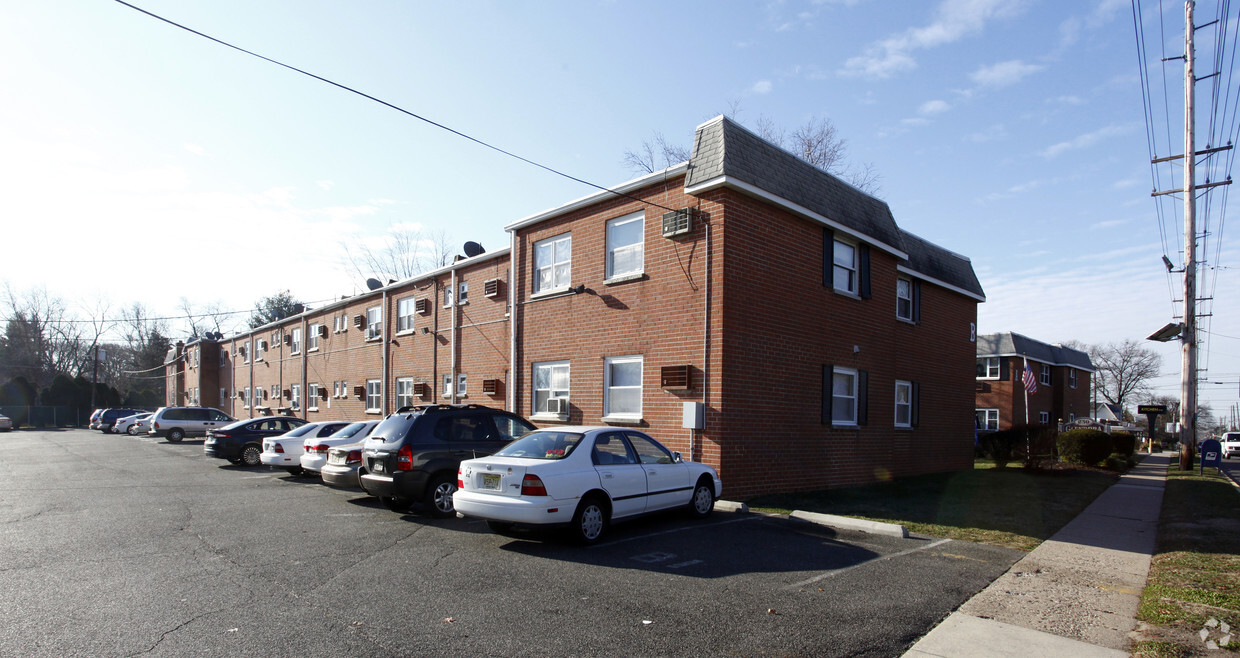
(378, 466)
(490, 481)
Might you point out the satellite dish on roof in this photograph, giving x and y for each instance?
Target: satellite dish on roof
(374, 284)
(473, 249)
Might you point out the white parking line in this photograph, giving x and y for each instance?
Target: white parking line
(674, 530)
(836, 572)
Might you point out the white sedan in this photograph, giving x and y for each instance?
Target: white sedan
(314, 450)
(129, 424)
(583, 478)
(284, 451)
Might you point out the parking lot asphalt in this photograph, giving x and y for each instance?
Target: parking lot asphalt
(118, 545)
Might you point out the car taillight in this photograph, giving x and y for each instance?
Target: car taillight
(404, 459)
(221, 435)
(155, 425)
(460, 479)
(320, 449)
(531, 485)
(354, 457)
(278, 448)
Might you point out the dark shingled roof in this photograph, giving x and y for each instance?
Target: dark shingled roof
(723, 147)
(1008, 344)
(938, 263)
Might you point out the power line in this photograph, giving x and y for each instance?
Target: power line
(398, 109)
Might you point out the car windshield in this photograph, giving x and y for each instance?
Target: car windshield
(349, 430)
(302, 431)
(543, 444)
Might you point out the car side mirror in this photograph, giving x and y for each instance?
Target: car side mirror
(676, 456)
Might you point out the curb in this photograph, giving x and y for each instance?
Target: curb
(848, 523)
(730, 506)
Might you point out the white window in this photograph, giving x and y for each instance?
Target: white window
(987, 419)
(460, 385)
(622, 387)
(551, 381)
(275, 391)
(1072, 377)
(904, 404)
(373, 397)
(625, 245)
(404, 392)
(844, 272)
(223, 395)
(295, 342)
(553, 263)
(405, 310)
(462, 296)
(245, 397)
(374, 317)
(1044, 377)
(904, 299)
(447, 296)
(196, 353)
(245, 352)
(312, 397)
(988, 367)
(843, 396)
(295, 398)
(223, 358)
(312, 337)
(1044, 417)
(260, 346)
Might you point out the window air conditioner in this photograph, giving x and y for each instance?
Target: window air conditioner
(558, 406)
(678, 222)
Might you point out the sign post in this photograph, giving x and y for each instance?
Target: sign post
(1151, 411)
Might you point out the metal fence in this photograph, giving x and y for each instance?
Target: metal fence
(46, 416)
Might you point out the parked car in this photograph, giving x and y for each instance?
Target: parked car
(142, 426)
(6, 423)
(242, 442)
(125, 425)
(108, 417)
(93, 421)
(176, 423)
(583, 478)
(314, 450)
(414, 453)
(344, 467)
(1230, 443)
(284, 451)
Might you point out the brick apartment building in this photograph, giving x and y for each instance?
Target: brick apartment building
(745, 308)
(1063, 382)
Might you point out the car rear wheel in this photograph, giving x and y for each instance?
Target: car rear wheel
(439, 497)
(175, 435)
(395, 504)
(703, 500)
(251, 455)
(133, 430)
(589, 521)
(295, 470)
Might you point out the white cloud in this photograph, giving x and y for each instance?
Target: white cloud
(993, 133)
(195, 149)
(1086, 140)
(933, 107)
(1003, 74)
(325, 185)
(953, 20)
(914, 121)
(761, 87)
(1108, 224)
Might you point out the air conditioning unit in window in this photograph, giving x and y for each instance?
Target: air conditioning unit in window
(558, 406)
(288, 339)
(678, 222)
(322, 331)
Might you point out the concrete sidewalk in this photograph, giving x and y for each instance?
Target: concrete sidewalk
(1077, 593)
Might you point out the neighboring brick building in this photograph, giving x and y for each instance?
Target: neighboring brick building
(1063, 382)
(821, 345)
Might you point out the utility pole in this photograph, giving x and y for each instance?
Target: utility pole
(1188, 336)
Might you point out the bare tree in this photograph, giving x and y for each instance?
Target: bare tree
(817, 142)
(406, 252)
(1124, 370)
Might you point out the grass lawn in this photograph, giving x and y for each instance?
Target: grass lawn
(1006, 507)
(1195, 574)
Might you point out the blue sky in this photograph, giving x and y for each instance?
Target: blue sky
(144, 163)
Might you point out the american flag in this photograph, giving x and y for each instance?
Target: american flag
(1031, 382)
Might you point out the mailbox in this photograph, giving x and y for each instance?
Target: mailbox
(1211, 454)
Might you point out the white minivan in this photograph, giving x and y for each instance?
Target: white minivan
(1230, 442)
(176, 423)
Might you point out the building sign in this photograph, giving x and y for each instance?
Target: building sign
(1147, 409)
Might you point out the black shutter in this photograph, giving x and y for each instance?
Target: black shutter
(863, 271)
(828, 257)
(1004, 370)
(915, 400)
(916, 300)
(826, 394)
(863, 385)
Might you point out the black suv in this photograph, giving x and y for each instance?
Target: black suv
(242, 442)
(414, 454)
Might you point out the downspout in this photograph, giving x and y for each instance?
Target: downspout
(383, 338)
(453, 318)
(435, 339)
(249, 355)
(705, 350)
(305, 349)
(512, 322)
